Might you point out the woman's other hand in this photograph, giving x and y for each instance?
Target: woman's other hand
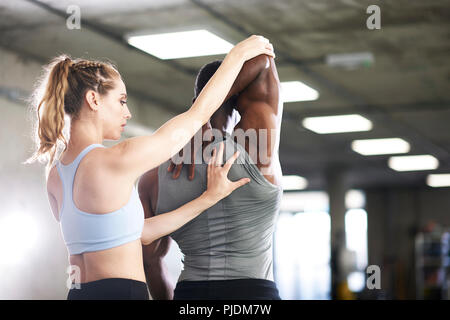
(219, 186)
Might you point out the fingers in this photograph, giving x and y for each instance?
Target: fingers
(230, 161)
(211, 165)
(191, 171)
(219, 158)
(208, 173)
(192, 165)
(269, 50)
(267, 46)
(213, 157)
(177, 171)
(239, 183)
(212, 160)
(270, 53)
(171, 166)
(254, 46)
(259, 37)
(264, 41)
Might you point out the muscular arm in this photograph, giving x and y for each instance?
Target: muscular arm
(253, 71)
(249, 72)
(156, 273)
(260, 107)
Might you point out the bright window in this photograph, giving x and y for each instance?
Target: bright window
(356, 238)
(302, 255)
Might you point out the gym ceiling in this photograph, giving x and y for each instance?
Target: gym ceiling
(404, 92)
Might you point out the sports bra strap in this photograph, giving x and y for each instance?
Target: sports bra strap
(80, 156)
(67, 173)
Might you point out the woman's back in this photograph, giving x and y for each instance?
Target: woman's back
(100, 221)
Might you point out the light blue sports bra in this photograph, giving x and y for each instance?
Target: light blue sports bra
(86, 232)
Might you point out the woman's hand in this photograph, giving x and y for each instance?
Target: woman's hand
(219, 186)
(252, 47)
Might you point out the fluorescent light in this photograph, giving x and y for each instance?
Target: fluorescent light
(294, 183)
(413, 163)
(380, 146)
(181, 44)
(337, 124)
(297, 91)
(438, 180)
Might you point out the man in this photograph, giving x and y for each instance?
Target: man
(228, 249)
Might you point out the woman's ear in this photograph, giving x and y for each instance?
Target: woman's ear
(92, 100)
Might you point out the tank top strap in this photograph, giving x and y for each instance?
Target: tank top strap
(67, 172)
(82, 154)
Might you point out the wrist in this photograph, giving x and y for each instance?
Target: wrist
(208, 199)
(235, 57)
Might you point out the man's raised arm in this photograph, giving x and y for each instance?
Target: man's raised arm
(250, 71)
(261, 107)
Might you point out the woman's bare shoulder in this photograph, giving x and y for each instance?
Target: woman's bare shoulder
(104, 158)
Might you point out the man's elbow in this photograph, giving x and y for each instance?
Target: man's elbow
(261, 62)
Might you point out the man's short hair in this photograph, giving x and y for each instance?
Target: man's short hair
(205, 73)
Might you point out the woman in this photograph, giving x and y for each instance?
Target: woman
(91, 187)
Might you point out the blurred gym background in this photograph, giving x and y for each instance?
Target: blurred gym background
(368, 187)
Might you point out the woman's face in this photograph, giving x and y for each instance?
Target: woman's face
(115, 112)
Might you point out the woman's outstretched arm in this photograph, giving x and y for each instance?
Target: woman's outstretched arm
(135, 156)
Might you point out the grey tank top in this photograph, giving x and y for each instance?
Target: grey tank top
(232, 239)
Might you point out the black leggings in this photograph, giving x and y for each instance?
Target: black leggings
(236, 289)
(110, 289)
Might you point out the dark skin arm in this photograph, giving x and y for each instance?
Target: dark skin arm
(260, 107)
(252, 70)
(249, 72)
(156, 273)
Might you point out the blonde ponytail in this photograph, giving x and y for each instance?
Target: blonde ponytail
(51, 109)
